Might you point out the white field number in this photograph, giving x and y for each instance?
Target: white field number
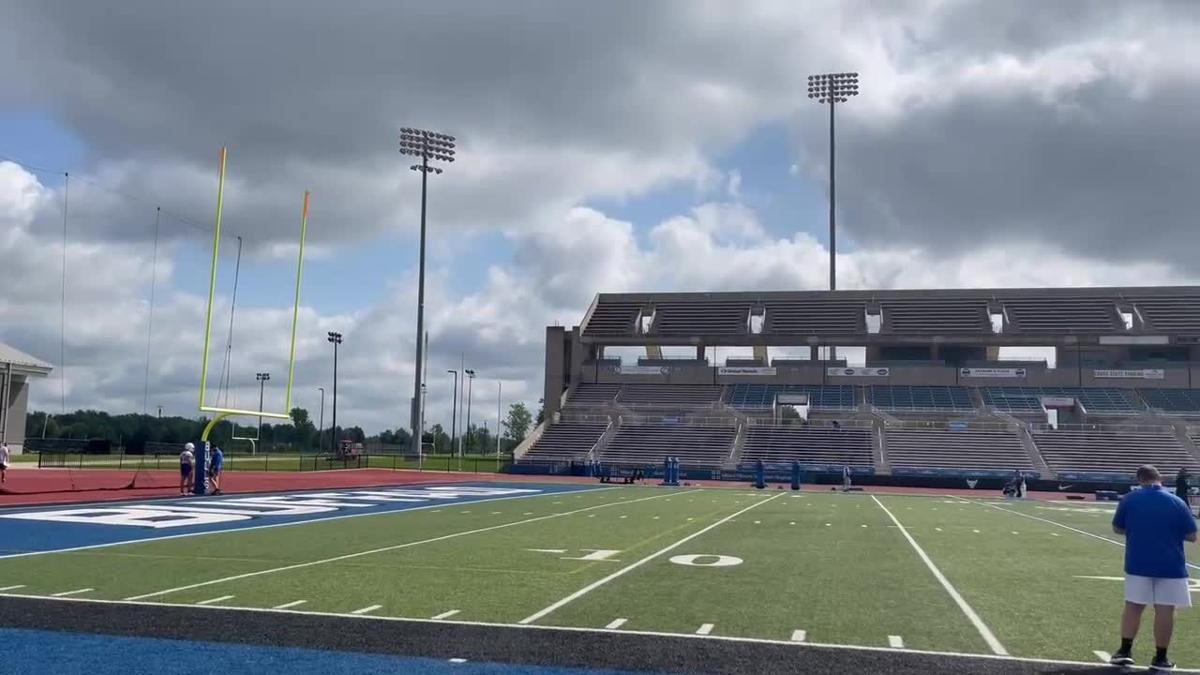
(706, 560)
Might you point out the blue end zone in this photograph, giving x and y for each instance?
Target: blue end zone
(48, 529)
(33, 651)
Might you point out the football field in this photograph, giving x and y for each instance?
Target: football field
(1034, 579)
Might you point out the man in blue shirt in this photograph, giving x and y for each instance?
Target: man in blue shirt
(216, 463)
(1155, 524)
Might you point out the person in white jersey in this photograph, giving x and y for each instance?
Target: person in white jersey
(187, 461)
(3, 462)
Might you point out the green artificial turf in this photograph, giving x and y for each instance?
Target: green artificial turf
(835, 566)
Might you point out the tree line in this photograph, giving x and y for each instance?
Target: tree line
(134, 430)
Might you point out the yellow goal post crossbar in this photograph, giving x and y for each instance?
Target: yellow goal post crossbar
(221, 413)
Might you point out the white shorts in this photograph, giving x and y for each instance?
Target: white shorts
(1155, 591)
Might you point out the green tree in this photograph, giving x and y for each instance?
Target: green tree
(516, 427)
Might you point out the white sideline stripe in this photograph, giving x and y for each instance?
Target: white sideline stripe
(629, 568)
(581, 629)
(896, 641)
(394, 547)
(1055, 523)
(799, 635)
(366, 610)
(616, 623)
(89, 547)
(289, 605)
(704, 629)
(446, 615)
(74, 592)
(12, 588)
(213, 601)
(1105, 657)
(984, 631)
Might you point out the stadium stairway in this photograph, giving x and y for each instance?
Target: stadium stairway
(1186, 439)
(739, 444)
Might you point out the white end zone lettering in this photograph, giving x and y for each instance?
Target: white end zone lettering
(135, 516)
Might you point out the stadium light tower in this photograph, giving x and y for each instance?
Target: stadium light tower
(336, 339)
(454, 412)
(470, 381)
(321, 423)
(262, 381)
(832, 88)
(429, 146)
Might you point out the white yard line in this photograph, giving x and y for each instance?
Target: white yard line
(1055, 523)
(616, 623)
(12, 588)
(289, 605)
(213, 601)
(1103, 656)
(25, 554)
(383, 549)
(581, 629)
(984, 631)
(77, 591)
(446, 615)
(366, 610)
(629, 568)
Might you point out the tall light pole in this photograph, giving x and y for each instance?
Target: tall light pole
(832, 88)
(454, 412)
(262, 381)
(470, 381)
(321, 423)
(499, 397)
(428, 145)
(336, 339)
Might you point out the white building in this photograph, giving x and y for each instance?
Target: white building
(16, 369)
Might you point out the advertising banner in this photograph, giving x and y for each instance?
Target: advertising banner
(745, 370)
(992, 372)
(857, 372)
(1147, 374)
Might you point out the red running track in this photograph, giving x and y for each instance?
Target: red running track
(27, 487)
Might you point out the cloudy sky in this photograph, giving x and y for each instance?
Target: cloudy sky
(603, 146)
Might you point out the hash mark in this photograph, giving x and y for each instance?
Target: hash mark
(896, 641)
(366, 610)
(799, 635)
(293, 603)
(445, 615)
(616, 623)
(74, 592)
(704, 629)
(215, 600)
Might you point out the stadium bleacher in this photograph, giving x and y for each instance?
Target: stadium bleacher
(648, 444)
(686, 319)
(565, 441)
(820, 397)
(815, 317)
(808, 444)
(593, 395)
(669, 396)
(1061, 315)
(1093, 399)
(1112, 451)
(939, 316)
(918, 398)
(1177, 401)
(956, 449)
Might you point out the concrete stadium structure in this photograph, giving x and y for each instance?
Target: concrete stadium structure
(16, 370)
(934, 397)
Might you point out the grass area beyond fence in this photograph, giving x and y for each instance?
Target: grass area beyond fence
(268, 461)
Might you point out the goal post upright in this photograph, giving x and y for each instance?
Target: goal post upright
(220, 413)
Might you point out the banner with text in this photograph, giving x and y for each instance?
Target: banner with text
(992, 372)
(745, 370)
(641, 370)
(1145, 374)
(857, 372)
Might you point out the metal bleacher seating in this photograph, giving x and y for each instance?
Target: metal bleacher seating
(932, 398)
(669, 396)
(1094, 399)
(1112, 451)
(1061, 315)
(593, 395)
(688, 318)
(1172, 401)
(939, 316)
(648, 444)
(956, 449)
(808, 444)
(820, 397)
(565, 441)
